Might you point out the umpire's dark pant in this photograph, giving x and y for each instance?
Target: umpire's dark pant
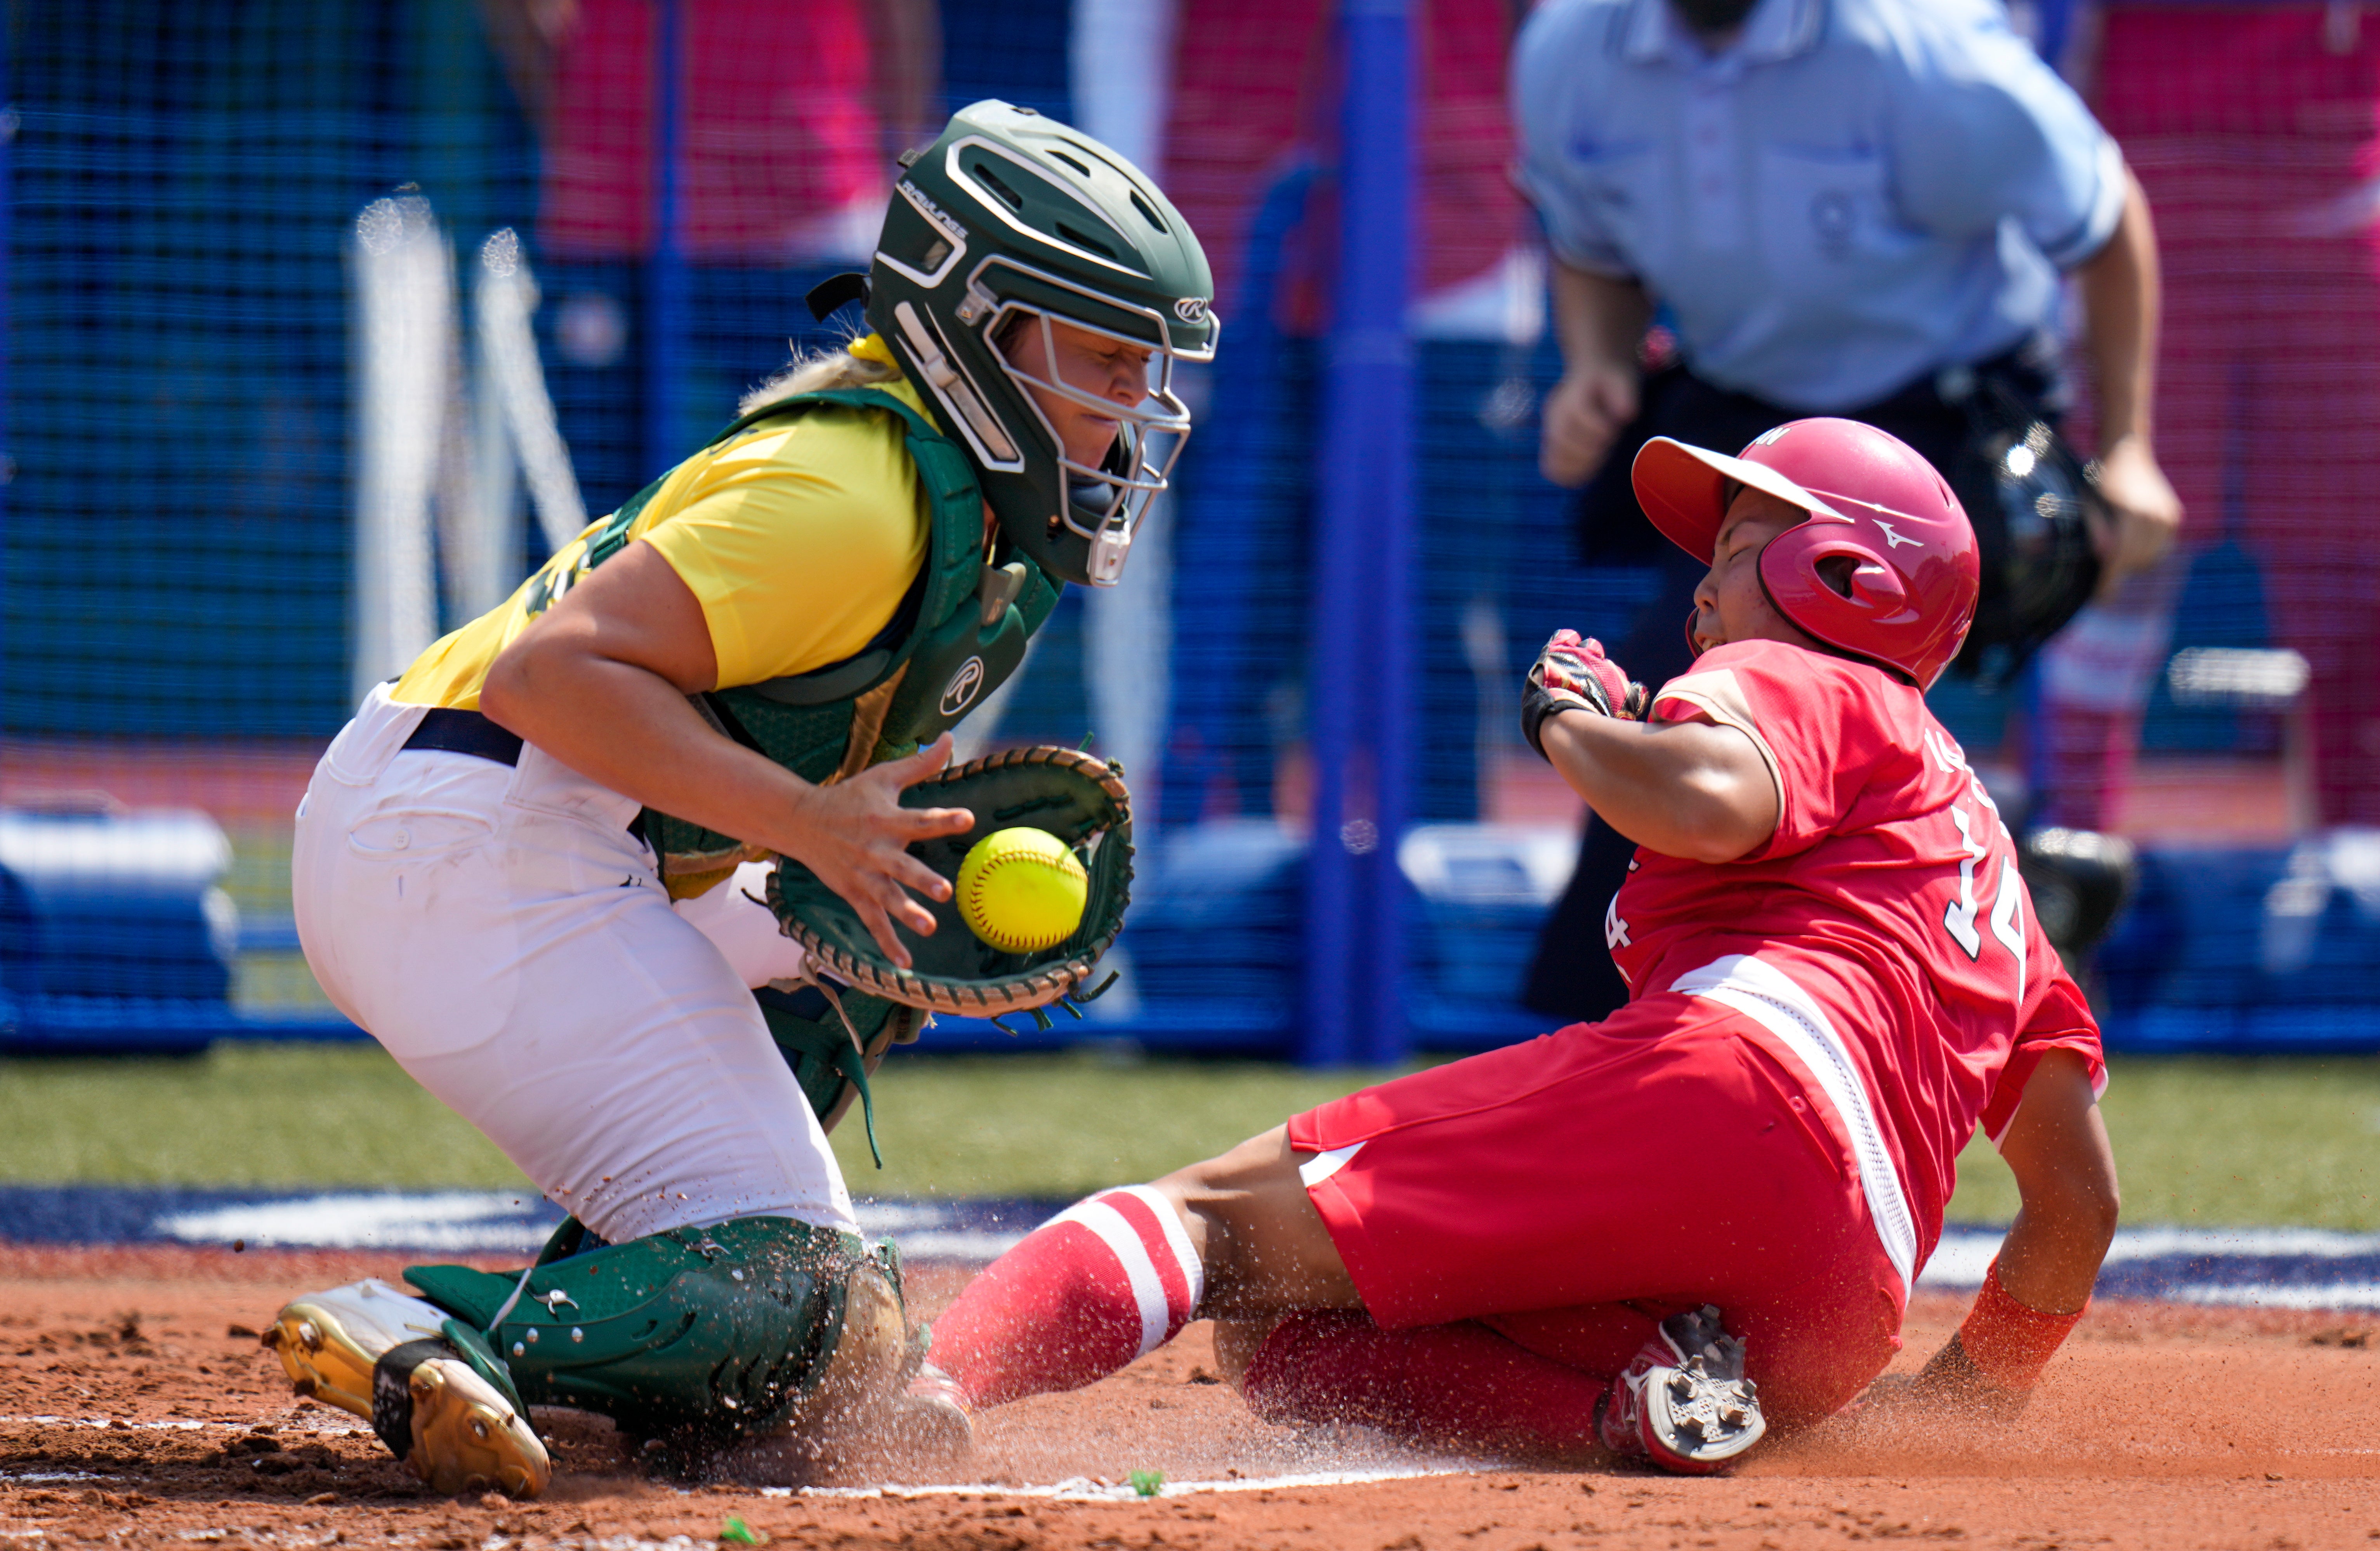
(1572, 977)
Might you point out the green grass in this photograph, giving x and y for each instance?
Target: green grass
(1009, 1125)
(2198, 1140)
(2201, 1141)
(347, 1115)
(239, 1115)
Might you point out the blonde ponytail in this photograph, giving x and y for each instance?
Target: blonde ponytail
(815, 373)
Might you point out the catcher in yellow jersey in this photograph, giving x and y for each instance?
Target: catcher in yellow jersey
(534, 865)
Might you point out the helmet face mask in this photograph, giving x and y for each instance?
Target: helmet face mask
(1013, 224)
(1105, 501)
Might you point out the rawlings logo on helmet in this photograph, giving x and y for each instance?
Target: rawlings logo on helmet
(1191, 309)
(932, 211)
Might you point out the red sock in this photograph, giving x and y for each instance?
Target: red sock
(1097, 1286)
(1440, 1384)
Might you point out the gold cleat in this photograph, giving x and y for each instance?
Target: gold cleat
(329, 1343)
(464, 1436)
(380, 1354)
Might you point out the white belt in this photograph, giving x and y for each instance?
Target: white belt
(1763, 992)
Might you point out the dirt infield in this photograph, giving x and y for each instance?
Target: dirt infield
(134, 1410)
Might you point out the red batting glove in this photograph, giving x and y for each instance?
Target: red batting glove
(1573, 675)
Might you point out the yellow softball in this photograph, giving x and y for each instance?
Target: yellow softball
(1022, 890)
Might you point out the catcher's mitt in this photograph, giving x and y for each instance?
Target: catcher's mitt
(1074, 796)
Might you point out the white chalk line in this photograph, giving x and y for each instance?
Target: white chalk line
(109, 1423)
(179, 1425)
(1079, 1488)
(1960, 1261)
(1084, 1489)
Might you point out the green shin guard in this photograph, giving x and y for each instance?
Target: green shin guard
(704, 1336)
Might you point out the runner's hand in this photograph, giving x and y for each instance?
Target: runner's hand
(1573, 675)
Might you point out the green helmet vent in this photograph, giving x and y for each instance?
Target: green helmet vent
(1037, 205)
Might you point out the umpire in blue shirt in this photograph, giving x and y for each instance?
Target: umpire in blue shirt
(1846, 207)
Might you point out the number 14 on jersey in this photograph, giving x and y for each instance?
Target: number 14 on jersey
(2007, 887)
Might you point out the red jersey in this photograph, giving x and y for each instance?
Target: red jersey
(1885, 920)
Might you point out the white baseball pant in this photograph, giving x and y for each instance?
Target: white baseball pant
(501, 934)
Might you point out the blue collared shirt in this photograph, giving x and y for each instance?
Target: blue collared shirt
(1855, 195)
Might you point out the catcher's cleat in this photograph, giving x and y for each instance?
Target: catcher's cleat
(329, 1341)
(391, 1358)
(932, 1419)
(1684, 1403)
(451, 1427)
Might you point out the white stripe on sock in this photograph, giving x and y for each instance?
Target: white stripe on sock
(1177, 1239)
(1115, 1231)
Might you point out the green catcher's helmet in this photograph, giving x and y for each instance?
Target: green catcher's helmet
(1011, 215)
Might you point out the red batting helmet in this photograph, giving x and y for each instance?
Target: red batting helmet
(1871, 498)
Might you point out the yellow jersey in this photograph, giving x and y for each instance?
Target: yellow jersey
(799, 538)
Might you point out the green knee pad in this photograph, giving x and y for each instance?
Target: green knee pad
(713, 1334)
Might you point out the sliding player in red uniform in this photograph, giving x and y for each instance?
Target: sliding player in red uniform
(1662, 1234)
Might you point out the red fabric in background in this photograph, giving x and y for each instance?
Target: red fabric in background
(2256, 138)
(1255, 80)
(780, 128)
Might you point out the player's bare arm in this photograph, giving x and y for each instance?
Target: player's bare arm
(2121, 289)
(601, 682)
(2057, 1146)
(1686, 789)
(2065, 1170)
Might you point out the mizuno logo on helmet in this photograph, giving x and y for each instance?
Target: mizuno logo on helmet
(1191, 309)
(1893, 541)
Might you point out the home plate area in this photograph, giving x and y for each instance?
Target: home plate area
(2212, 1397)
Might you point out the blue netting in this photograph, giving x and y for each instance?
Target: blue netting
(181, 419)
(185, 177)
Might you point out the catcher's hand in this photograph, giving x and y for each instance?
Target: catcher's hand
(1080, 799)
(1573, 675)
(860, 840)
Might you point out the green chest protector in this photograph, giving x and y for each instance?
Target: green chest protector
(957, 636)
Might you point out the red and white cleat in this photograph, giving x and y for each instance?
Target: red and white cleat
(1684, 1403)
